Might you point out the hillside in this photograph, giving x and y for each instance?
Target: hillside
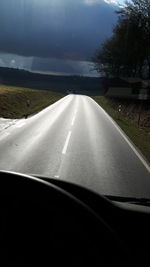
(22, 78)
(14, 101)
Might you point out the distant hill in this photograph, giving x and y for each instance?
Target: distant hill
(64, 84)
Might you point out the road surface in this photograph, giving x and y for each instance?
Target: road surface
(75, 140)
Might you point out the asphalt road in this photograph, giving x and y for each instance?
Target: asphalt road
(75, 140)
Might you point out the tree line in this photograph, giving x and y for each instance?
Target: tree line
(127, 52)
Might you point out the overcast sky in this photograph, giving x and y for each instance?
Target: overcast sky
(54, 35)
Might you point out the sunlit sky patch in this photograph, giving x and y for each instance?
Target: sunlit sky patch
(114, 2)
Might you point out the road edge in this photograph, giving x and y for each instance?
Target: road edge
(135, 149)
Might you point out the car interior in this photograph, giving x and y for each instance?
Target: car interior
(64, 223)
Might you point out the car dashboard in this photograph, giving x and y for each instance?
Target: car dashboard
(53, 220)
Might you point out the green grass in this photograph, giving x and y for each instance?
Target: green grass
(140, 138)
(13, 101)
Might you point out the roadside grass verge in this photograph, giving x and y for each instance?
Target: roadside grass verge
(13, 101)
(140, 138)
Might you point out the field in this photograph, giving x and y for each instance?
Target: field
(17, 102)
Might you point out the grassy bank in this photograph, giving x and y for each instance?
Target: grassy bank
(13, 101)
(139, 137)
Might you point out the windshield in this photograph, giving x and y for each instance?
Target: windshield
(75, 92)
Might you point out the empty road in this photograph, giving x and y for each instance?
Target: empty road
(75, 140)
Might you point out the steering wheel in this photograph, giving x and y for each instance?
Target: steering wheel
(41, 223)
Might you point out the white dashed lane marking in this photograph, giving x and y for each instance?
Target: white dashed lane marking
(66, 143)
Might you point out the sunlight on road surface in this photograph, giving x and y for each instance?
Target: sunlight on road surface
(5, 123)
(74, 139)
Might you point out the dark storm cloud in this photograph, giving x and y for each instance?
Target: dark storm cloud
(54, 28)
